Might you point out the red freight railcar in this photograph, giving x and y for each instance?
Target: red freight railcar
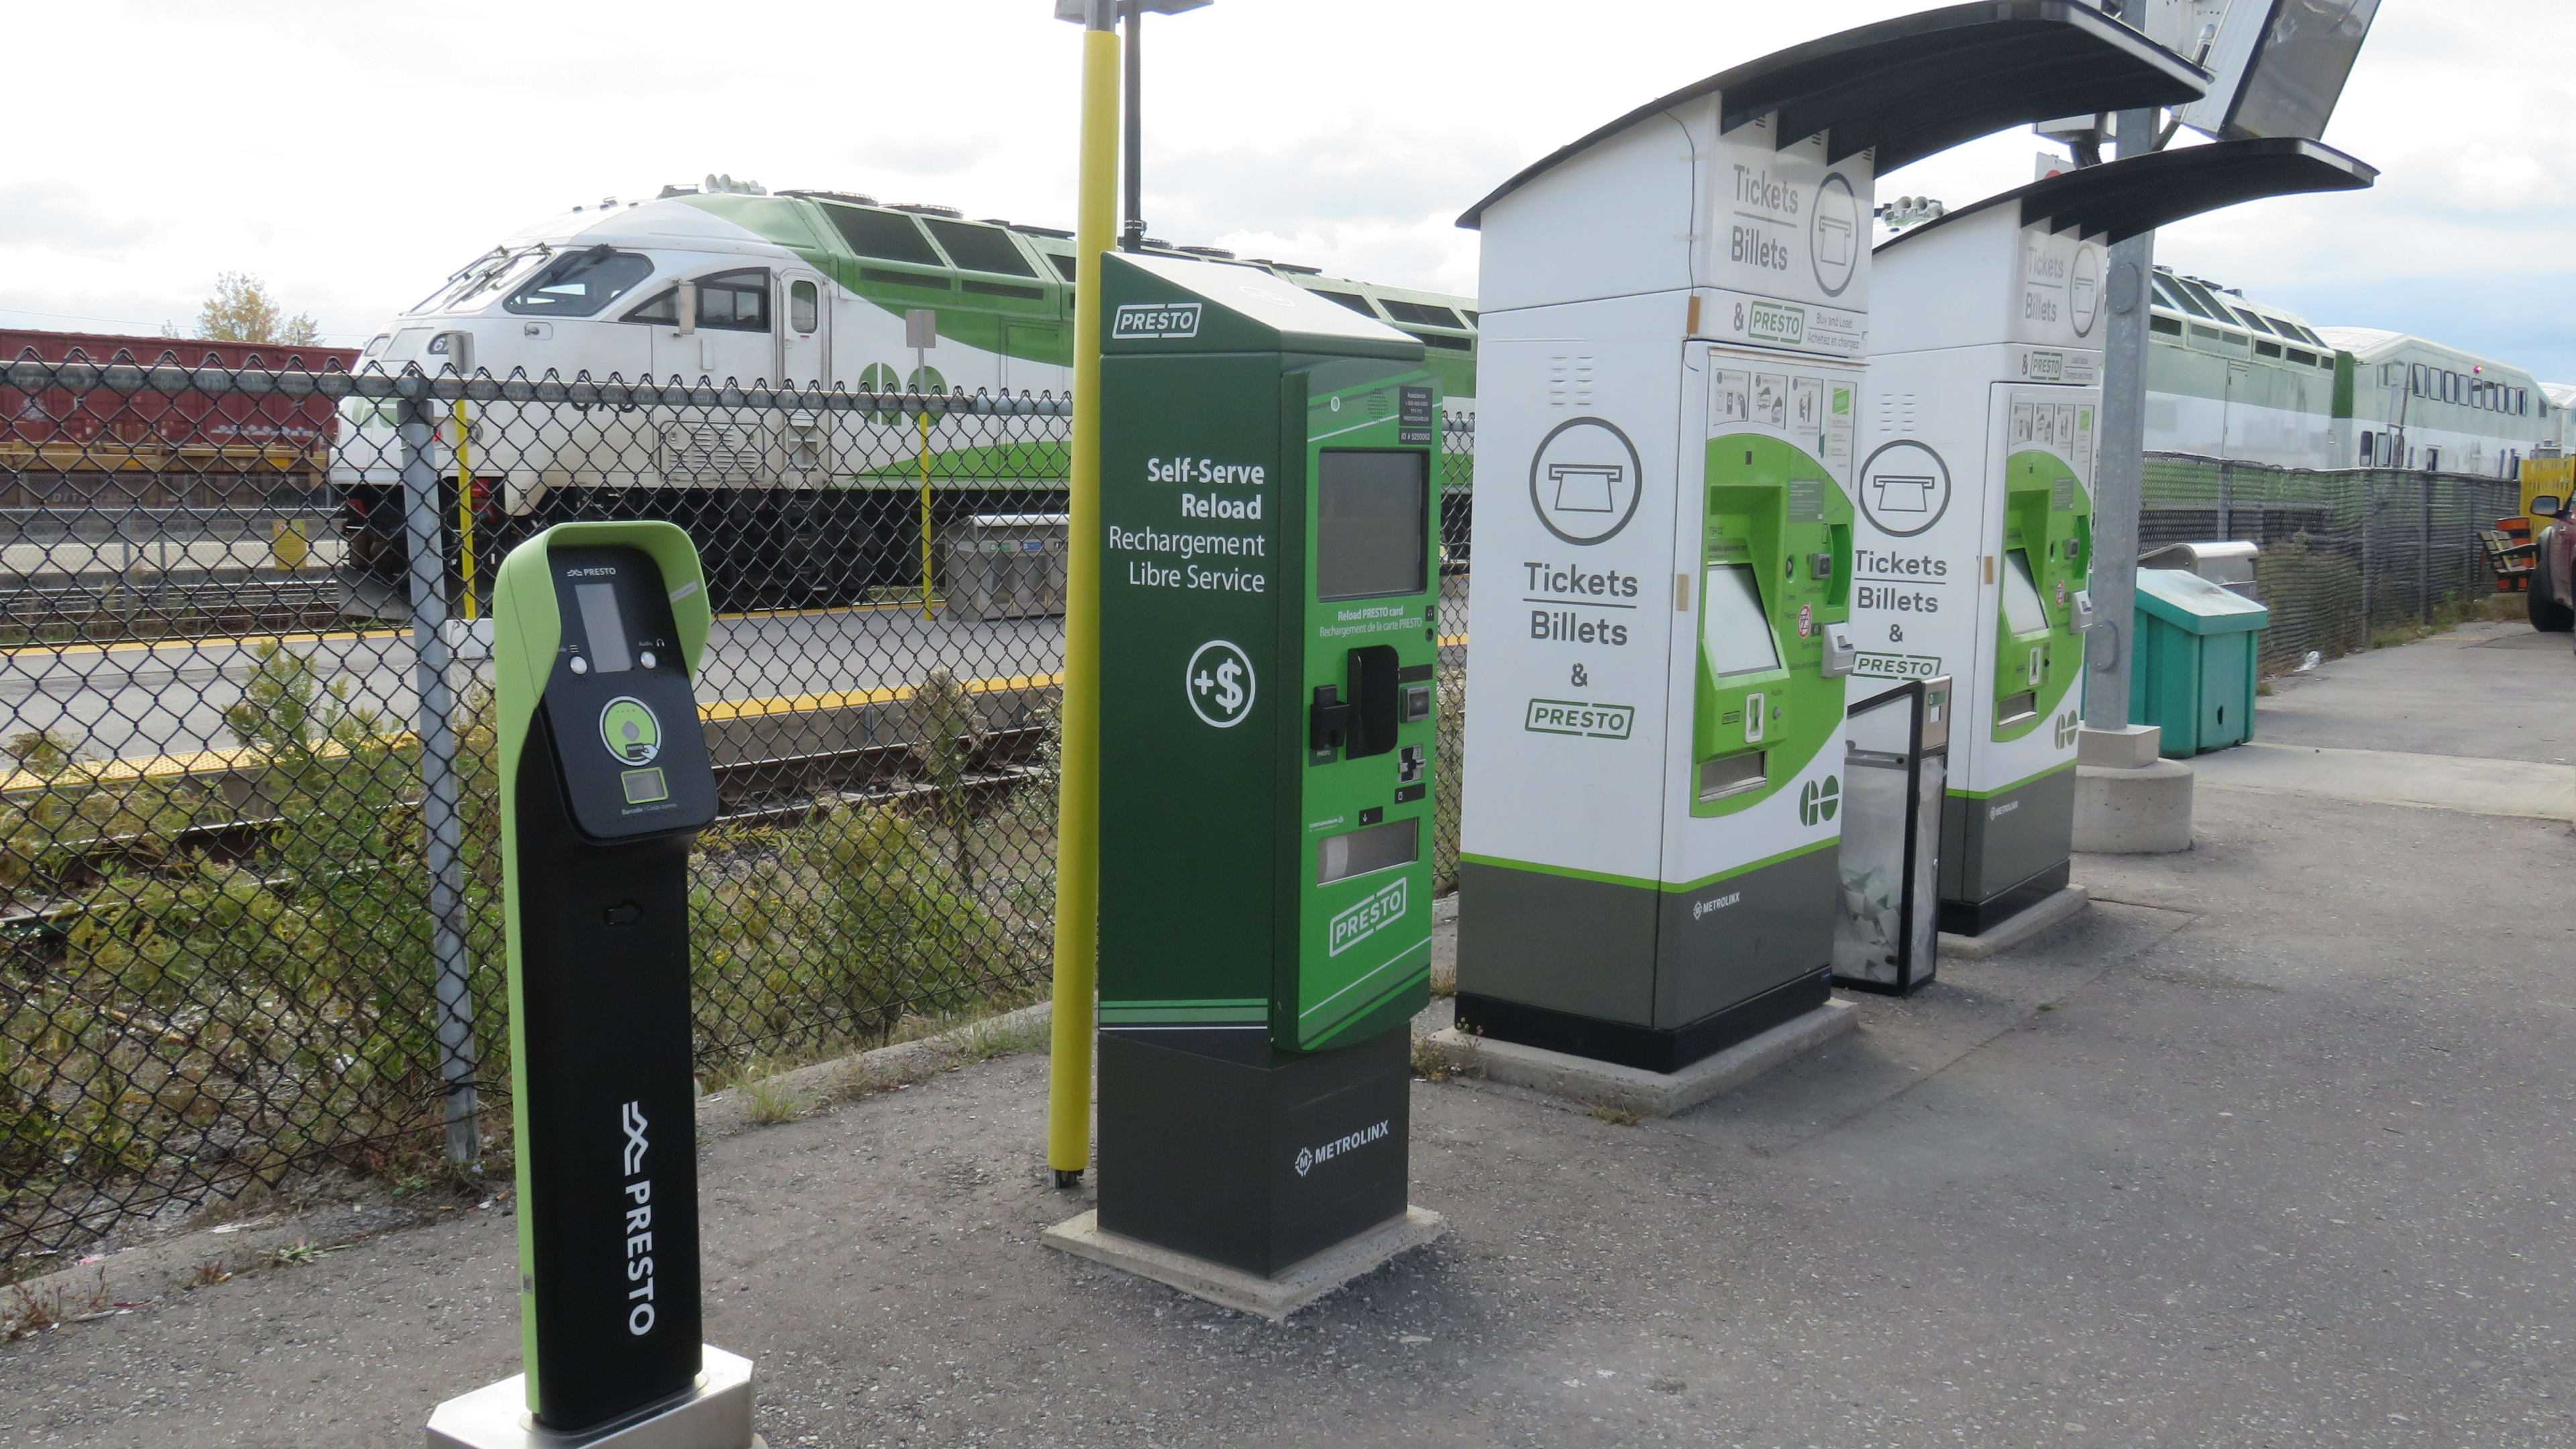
(64, 445)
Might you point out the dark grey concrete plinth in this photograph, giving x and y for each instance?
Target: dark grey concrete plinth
(1270, 1298)
(2021, 929)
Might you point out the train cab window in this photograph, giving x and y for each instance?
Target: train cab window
(735, 301)
(1352, 300)
(804, 307)
(578, 284)
(2267, 349)
(2420, 380)
(1064, 264)
(1472, 319)
(727, 302)
(2169, 326)
(887, 234)
(981, 248)
(2254, 320)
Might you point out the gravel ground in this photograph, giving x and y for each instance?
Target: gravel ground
(2270, 1148)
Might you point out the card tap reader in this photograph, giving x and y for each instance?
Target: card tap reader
(1268, 748)
(598, 631)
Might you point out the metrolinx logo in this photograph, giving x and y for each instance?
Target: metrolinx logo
(1819, 800)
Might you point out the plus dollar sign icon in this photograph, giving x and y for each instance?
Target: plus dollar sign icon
(1219, 684)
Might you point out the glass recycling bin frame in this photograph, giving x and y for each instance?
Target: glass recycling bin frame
(1896, 761)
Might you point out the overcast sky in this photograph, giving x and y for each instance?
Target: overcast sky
(355, 154)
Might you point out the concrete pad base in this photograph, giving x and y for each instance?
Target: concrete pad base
(1270, 1298)
(714, 1415)
(2140, 811)
(1634, 1089)
(2127, 748)
(2063, 906)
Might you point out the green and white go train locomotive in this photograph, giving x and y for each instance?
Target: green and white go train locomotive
(725, 282)
(803, 289)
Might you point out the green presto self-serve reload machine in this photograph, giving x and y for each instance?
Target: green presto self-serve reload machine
(1669, 403)
(1975, 495)
(597, 630)
(1267, 759)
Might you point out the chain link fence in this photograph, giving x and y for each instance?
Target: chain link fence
(249, 912)
(249, 825)
(2346, 552)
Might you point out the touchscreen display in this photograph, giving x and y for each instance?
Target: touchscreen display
(1372, 523)
(606, 627)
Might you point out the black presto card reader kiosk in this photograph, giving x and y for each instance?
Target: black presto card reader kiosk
(597, 631)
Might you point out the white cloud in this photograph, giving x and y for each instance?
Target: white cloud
(354, 154)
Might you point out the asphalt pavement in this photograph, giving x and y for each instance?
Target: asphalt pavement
(2271, 1147)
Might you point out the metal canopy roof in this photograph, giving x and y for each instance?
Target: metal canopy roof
(2121, 199)
(1924, 83)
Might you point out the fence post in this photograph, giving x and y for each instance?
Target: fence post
(2226, 480)
(440, 825)
(2369, 511)
(2424, 556)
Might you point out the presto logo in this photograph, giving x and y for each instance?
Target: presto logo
(1147, 321)
(639, 1223)
(1367, 918)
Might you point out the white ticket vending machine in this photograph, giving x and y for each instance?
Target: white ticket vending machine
(1676, 309)
(1975, 493)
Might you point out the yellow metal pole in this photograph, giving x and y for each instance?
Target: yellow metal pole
(464, 507)
(1077, 831)
(925, 512)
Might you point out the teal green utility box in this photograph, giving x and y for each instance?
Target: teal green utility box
(2193, 673)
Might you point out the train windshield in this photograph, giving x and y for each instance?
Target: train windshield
(578, 284)
(480, 278)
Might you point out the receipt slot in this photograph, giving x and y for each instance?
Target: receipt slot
(1267, 760)
(1975, 495)
(1671, 389)
(598, 629)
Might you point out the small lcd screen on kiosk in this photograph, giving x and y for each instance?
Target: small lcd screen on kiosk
(1372, 522)
(605, 626)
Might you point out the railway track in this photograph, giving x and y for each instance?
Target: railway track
(781, 790)
(195, 608)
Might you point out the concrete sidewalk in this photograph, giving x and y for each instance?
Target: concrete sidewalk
(2272, 1147)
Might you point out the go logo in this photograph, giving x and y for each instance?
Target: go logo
(1819, 800)
(2066, 729)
